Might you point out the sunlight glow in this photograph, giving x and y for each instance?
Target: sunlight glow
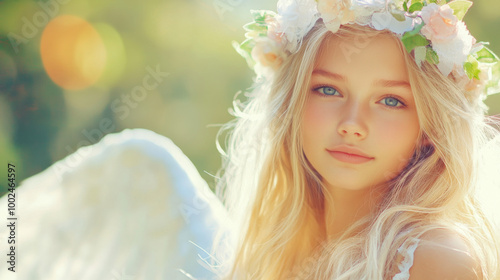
(73, 52)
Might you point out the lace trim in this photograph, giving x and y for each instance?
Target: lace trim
(405, 260)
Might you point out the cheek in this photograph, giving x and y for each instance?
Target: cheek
(314, 120)
(398, 137)
(398, 130)
(319, 123)
(315, 130)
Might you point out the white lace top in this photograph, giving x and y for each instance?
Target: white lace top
(406, 254)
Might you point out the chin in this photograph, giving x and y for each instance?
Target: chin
(347, 185)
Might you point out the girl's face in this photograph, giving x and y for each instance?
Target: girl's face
(359, 98)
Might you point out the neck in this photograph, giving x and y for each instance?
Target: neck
(344, 207)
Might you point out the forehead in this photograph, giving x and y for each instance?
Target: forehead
(379, 56)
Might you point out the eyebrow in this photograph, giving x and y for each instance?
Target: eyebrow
(393, 83)
(330, 75)
(381, 83)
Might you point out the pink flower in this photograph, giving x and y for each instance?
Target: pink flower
(454, 52)
(336, 13)
(449, 36)
(440, 23)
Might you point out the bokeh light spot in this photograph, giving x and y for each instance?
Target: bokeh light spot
(116, 57)
(73, 53)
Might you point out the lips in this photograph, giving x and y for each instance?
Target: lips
(350, 151)
(349, 154)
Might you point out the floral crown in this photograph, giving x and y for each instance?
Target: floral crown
(432, 30)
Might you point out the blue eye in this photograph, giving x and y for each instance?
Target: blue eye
(327, 90)
(392, 102)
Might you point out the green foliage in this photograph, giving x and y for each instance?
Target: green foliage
(405, 5)
(245, 50)
(485, 55)
(191, 41)
(259, 16)
(431, 56)
(413, 39)
(417, 6)
(472, 68)
(460, 7)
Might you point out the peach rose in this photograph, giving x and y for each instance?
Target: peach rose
(267, 52)
(440, 23)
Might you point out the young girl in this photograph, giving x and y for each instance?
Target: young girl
(357, 154)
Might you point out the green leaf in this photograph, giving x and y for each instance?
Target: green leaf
(405, 5)
(236, 46)
(493, 85)
(412, 41)
(260, 15)
(416, 7)
(485, 55)
(460, 7)
(420, 54)
(415, 31)
(471, 67)
(244, 53)
(247, 45)
(398, 15)
(431, 56)
(253, 26)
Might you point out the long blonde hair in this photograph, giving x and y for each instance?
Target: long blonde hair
(275, 198)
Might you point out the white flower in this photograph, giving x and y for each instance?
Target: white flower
(296, 18)
(385, 20)
(364, 9)
(336, 13)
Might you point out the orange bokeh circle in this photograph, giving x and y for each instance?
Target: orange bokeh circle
(73, 53)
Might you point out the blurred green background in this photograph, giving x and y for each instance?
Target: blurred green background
(42, 121)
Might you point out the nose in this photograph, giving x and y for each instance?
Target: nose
(352, 124)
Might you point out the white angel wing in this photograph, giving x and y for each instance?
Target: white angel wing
(128, 207)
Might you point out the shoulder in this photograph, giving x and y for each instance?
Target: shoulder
(443, 254)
